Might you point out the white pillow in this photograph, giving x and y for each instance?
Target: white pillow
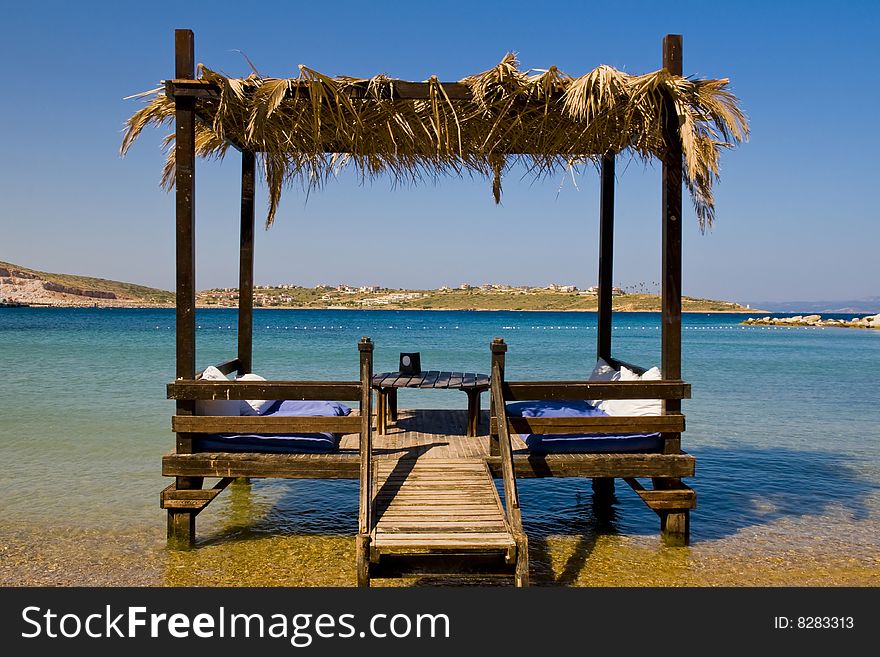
(602, 372)
(635, 407)
(216, 407)
(254, 406)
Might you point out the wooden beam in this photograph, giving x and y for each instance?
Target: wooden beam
(610, 425)
(246, 265)
(596, 465)
(265, 424)
(393, 90)
(253, 464)
(606, 257)
(214, 390)
(581, 390)
(227, 366)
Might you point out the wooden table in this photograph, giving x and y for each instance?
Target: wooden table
(387, 383)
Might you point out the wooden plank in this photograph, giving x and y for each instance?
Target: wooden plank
(265, 424)
(246, 263)
(379, 380)
(606, 256)
(455, 379)
(459, 511)
(609, 424)
(580, 390)
(598, 465)
(429, 379)
(679, 497)
(393, 90)
(226, 367)
(443, 380)
(249, 464)
(317, 390)
(616, 363)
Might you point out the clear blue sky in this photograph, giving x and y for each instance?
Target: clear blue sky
(797, 214)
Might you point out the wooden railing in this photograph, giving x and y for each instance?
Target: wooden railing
(186, 425)
(508, 474)
(365, 502)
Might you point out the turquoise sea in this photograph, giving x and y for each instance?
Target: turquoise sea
(784, 423)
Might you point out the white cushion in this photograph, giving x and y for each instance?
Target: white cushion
(602, 372)
(635, 407)
(216, 407)
(254, 406)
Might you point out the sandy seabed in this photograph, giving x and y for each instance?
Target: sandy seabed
(827, 550)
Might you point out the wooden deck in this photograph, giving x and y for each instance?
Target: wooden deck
(426, 435)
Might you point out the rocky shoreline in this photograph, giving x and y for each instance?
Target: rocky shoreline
(869, 321)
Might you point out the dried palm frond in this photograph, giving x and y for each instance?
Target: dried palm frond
(306, 128)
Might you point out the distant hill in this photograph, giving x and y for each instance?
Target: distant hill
(854, 306)
(471, 298)
(30, 286)
(33, 287)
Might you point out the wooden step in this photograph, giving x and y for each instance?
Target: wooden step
(435, 507)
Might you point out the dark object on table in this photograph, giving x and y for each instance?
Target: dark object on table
(410, 363)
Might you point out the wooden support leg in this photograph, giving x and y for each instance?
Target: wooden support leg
(521, 575)
(603, 487)
(181, 529)
(473, 411)
(494, 445)
(391, 397)
(182, 523)
(675, 527)
(381, 409)
(362, 549)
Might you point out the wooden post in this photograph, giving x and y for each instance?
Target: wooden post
(246, 265)
(672, 177)
(498, 350)
(185, 155)
(671, 291)
(365, 520)
(606, 257)
(674, 525)
(181, 529)
(603, 488)
(182, 524)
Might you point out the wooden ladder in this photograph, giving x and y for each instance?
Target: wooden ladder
(438, 516)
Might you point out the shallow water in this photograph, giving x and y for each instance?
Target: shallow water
(783, 423)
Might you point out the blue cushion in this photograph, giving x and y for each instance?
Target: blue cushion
(282, 443)
(590, 443)
(308, 407)
(579, 443)
(554, 408)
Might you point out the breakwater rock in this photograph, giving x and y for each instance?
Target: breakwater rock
(869, 321)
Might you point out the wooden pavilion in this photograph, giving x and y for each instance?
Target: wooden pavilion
(427, 501)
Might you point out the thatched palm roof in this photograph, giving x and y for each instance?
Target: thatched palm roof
(305, 128)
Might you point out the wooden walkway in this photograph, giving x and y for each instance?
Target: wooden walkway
(438, 506)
